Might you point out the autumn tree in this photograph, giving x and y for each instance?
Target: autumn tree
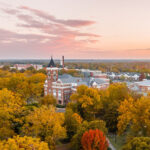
(4, 73)
(6, 67)
(48, 100)
(111, 99)
(28, 143)
(88, 101)
(11, 105)
(72, 122)
(85, 126)
(135, 114)
(94, 139)
(30, 87)
(138, 143)
(36, 86)
(46, 124)
(3, 82)
(18, 84)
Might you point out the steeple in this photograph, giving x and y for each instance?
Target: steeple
(51, 63)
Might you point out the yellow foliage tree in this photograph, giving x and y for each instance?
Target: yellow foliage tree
(111, 99)
(10, 106)
(21, 143)
(136, 115)
(45, 123)
(88, 101)
(48, 100)
(72, 122)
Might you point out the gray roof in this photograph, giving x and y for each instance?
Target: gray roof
(144, 83)
(66, 78)
(99, 81)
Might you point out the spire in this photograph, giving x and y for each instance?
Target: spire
(51, 63)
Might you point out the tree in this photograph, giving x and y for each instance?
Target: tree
(94, 139)
(135, 114)
(18, 84)
(48, 100)
(36, 85)
(85, 126)
(72, 122)
(88, 101)
(4, 73)
(142, 76)
(28, 143)
(3, 83)
(6, 67)
(138, 143)
(46, 124)
(111, 99)
(32, 69)
(29, 87)
(11, 105)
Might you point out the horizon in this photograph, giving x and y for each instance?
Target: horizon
(78, 30)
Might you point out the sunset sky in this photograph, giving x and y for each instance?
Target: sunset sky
(79, 29)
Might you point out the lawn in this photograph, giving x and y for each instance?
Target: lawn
(117, 141)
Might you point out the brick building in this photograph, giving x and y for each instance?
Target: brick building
(62, 86)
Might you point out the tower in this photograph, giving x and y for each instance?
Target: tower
(63, 65)
(62, 62)
(52, 76)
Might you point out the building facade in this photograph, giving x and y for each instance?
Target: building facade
(62, 86)
(26, 66)
(142, 87)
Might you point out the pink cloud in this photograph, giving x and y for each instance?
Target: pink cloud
(56, 36)
(11, 11)
(70, 22)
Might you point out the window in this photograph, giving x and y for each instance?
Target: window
(67, 91)
(59, 93)
(54, 92)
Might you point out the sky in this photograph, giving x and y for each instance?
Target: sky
(77, 29)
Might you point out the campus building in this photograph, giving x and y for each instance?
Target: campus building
(142, 87)
(26, 66)
(62, 86)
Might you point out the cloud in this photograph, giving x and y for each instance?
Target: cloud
(70, 22)
(139, 49)
(52, 35)
(6, 35)
(11, 11)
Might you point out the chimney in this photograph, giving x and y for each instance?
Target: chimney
(63, 65)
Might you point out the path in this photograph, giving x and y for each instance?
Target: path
(110, 145)
(63, 147)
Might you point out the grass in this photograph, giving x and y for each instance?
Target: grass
(117, 141)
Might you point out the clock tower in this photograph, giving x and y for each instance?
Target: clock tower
(52, 76)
